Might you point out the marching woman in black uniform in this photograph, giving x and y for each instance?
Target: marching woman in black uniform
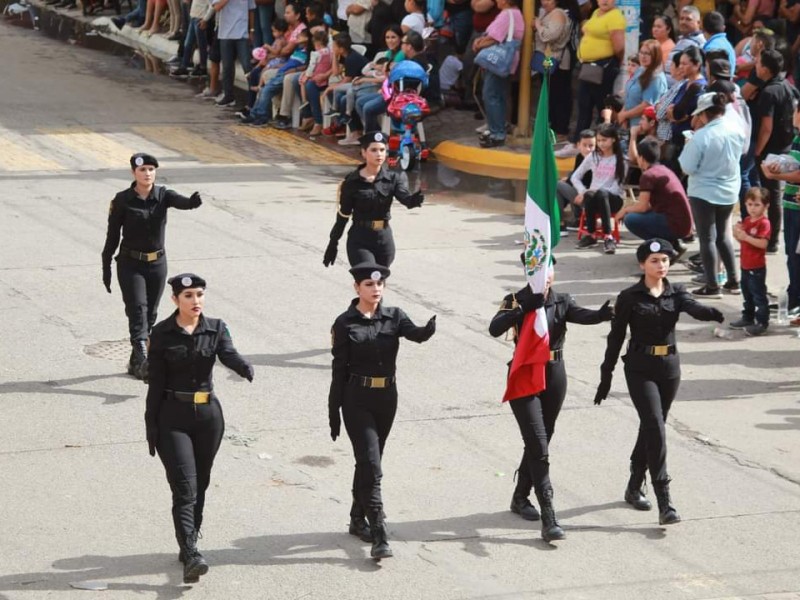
(537, 414)
(651, 309)
(366, 194)
(366, 338)
(140, 211)
(183, 418)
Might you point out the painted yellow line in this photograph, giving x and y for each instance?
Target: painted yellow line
(288, 143)
(194, 145)
(16, 157)
(98, 149)
(501, 164)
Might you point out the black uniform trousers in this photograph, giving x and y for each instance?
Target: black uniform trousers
(652, 396)
(142, 284)
(370, 245)
(189, 436)
(536, 417)
(368, 417)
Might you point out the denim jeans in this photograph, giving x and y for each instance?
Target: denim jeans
(136, 17)
(262, 107)
(754, 294)
(369, 108)
(194, 37)
(791, 235)
(649, 225)
(713, 224)
(461, 24)
(313, 94)
(495, 99)
(253, 79)
(231, 50)
(265, 15)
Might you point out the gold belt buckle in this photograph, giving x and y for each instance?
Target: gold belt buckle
(151, 256)
(660, 350)
(378, 225)
(377, 382)
(201, 397)
(552, 354)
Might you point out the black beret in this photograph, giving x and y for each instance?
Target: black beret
(142, 158)
(372, 137)
(185, 281)
(654, 246)
(369, 270)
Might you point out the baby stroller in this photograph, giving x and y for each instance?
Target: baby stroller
(405, 109)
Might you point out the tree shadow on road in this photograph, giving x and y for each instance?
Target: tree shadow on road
(731, 389)
(62, 386)
(791, 417)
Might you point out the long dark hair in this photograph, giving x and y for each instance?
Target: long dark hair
(668, 24)
(610, 131)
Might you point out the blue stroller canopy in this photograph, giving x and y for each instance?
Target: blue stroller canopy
(408, 69)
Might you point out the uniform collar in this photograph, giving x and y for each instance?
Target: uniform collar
(553, 297)
(201, 325)
(150, 196)
(641, 287)
(353, 312)
(383, 173)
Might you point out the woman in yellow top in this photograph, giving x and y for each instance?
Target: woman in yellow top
(601, 51)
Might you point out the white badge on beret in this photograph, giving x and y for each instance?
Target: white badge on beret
(139, 161)
(186, 281)
(655, 246)
(375, 276)
(378, 138)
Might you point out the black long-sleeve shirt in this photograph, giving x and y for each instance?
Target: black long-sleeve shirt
(368, 346)
(560, 310)
(142, 221)
(372, 201)
(652, 323)
(183, 362)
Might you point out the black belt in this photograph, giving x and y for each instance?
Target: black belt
(373, 382)
(653, 350)
(143, 256)
(556, 355)
(374, 225)
(193, 397)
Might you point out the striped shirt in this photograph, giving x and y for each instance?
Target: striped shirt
(791, 189)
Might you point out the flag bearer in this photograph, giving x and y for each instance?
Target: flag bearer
(536, 414)
(652, 368)
(140, 211)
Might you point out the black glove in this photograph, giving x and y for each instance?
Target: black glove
(528, 300)
(196, 199)
(430, 326)
(152, 437)
(335, 421)
(603, 388)
(107, 277)
(248, 372)
(330, 253)
(718, 316)
(415, 200)
(606, 311)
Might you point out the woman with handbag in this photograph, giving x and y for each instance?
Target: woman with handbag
(601, 51)
(552, 34)
(498, 55)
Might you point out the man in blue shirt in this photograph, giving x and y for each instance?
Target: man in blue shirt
(714, 30)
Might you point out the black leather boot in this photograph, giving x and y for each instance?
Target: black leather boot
(634, 494)
(138, 358)
(194, 565)
(667, 515)
(551, 530)
(520, 505)
(380, 545)
(360, 528)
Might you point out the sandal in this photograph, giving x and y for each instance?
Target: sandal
(306, 125)
(315, 131)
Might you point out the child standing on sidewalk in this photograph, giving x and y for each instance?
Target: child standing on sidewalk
(753, 234)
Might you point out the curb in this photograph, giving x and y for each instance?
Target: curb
(490, 162)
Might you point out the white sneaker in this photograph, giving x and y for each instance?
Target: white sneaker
(482, 128)
(568, 151)
(206, 94)
(350, 140)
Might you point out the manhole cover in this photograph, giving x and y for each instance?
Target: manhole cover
(112, 350)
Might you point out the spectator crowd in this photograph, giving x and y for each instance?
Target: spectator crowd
(698, 126)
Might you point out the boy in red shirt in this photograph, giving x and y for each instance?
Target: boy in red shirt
(753, 234)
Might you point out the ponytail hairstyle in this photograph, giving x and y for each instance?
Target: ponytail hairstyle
(609, 130)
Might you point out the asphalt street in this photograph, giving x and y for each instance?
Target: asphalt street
(83, 502)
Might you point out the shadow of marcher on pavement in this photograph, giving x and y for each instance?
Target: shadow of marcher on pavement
(61, 386)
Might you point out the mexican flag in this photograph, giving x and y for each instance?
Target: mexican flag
(542, 227)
